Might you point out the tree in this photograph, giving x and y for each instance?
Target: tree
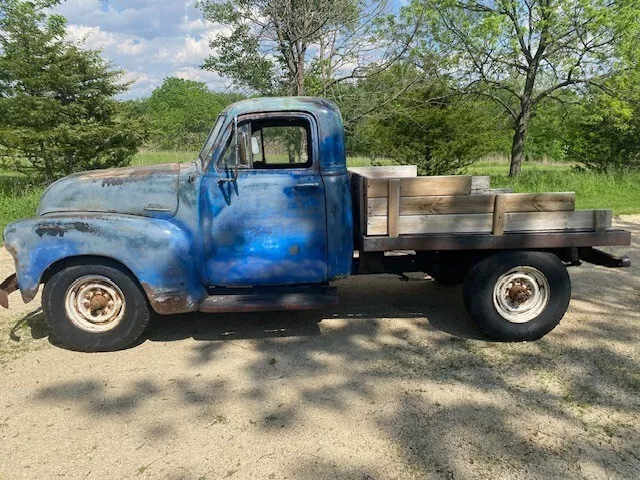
(298, 47)
(57, 101)
(181, 113)
(521, 53)
(605, 136)
(429, 127)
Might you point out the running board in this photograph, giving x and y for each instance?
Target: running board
(269, 298)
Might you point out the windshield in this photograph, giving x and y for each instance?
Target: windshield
(208, 146)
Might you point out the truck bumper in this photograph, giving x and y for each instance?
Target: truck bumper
(7, 287)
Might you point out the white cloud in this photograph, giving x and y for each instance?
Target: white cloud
(150, 39)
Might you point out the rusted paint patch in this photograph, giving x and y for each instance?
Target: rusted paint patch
(60, 229)
(167, 303)
(132, 173)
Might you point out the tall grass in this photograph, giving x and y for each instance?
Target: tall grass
(619, 192)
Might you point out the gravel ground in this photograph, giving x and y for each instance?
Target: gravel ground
(395, 383)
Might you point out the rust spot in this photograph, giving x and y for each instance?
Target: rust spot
(167, 303)
(60, 229)
(294, 250)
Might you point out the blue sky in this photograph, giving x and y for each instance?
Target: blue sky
(150, 39)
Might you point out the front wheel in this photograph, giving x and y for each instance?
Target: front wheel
(518, 296)
(95, 308)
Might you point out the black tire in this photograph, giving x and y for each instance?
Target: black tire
(132, 323)
(479, 295)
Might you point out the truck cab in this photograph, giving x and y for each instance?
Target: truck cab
(268, 216)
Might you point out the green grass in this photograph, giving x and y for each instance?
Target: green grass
(619, 192)
(148, 157)
(19, 195)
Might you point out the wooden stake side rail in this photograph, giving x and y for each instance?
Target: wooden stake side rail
(487, 241)
(485, 223)
(393, 202)
(483, 203)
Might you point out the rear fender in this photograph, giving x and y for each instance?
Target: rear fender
(157, 252)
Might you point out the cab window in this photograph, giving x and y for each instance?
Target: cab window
(274, 143)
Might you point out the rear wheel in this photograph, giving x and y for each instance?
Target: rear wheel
(95, 307)
(518, 296)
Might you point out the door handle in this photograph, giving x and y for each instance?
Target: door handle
(306, 186)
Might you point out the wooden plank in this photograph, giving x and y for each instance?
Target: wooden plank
(448, 204)
(363, 203)
(480, 182)
(550, 221)
(602, 220)
(497, 225)
(483, 241)
(435, 205)
(394, 171)
(541, 202)
(483, 223)
(393, 213)
(420, 186)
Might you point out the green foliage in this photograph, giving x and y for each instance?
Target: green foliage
(181, 113)
(56, 99)
(606, 135)
(286, 47)
(522, 53)
(429, 126)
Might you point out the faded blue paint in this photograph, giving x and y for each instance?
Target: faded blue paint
(180, 231)
(150, 191)
(156, 251)
(261, 230)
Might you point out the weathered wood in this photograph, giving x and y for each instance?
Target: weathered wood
(447, 204)
(601, 220)
(363, 203)
(499, 208)
(394, 171)
(393, 211)
(483, 223)
(541, 202)
(421, 186)
(480, 182)
(435, 204)
(485, 241)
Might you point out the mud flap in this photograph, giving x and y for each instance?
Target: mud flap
(7, 287)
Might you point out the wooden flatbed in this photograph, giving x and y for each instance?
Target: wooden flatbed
(394, 209)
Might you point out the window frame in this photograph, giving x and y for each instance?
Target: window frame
(312, 141)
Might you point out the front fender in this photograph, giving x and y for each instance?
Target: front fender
(157, 252)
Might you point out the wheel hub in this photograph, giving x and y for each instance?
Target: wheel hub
(95, 304)
(521, 294)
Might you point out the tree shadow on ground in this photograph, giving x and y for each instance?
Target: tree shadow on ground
(407, 358)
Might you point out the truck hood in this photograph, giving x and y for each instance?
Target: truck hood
(150, 191)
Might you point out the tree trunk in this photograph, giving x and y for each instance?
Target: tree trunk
(300, 72)
(519, 141)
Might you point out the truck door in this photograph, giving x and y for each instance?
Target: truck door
(263, 204)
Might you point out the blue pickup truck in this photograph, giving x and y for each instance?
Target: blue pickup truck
(268, 216)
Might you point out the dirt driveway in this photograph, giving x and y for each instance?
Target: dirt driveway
(395, 383)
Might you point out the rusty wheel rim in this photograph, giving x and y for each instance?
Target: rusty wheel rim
(95, 304)
(521, 294)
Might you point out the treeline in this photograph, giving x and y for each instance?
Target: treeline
(436, 83)
(434, 127)
(179, 114)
